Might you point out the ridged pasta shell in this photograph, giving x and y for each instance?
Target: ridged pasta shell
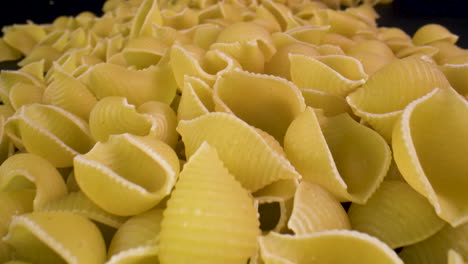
(8, 79)
(143, 52)
(155, 83)
(312, 34)
(321, 247)
(24, 94)
(433, 32)
(50, 132)
(247, 53)
(323, 154)
(456, 70)
(138, 172)
(137, 240)
(440, 178)
(330, 104)
(67, 92)
(245, 152)
(163, 121)
(186, 18)
(147, 14)
(8, 53)
(397, 215)
(334, 74)
(269, 98)
(29, 171)
(315, 209)
(381, 100)
(435, 249)
(344, 23)
(208, 205)
(203, 35)
(196, 99)
(56, 237)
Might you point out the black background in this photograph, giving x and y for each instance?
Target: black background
(406, 14)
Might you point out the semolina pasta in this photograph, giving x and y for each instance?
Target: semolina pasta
(235, 131)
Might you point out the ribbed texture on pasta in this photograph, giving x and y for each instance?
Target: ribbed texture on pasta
(209, 218)
(196, 100)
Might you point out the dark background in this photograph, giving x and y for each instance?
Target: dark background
(406, 14)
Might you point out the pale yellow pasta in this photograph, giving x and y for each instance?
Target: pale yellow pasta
(247, 53)
(10, 78)
(454, 257)
(203, 35)
(143, 52)
(309, 34)
(55, 237)
(282, 14)
(232, 138)
(8, 53)
(163, 121)
(331, 104)
(139, 173)
(6, 145)
(23, 37)
(147, 14)
(433, 32)
(273, 212)
(414, 151)
(242, 93)
(29, 171)
(196, 99)
(208, 202)
(179, 20)
(50, 132)
(456, 70)
(337, 40)
(315, 209)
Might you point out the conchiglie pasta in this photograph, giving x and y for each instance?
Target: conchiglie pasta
(263, 164)
(218, 210)
(138, 172)
(196, 99)
(147, 14)
(433, 32)
(456, 70)
(415, 151)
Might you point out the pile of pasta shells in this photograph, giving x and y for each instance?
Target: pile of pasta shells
(235, 131)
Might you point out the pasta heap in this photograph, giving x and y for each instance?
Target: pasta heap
(235, 131)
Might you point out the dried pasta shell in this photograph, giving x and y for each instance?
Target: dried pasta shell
(56, 237)
(321, 247)
(312, 34)
(67, 92)
(282, 14)
(78, 203)
(397, 215)
(336, 39)
(334, 74)
(8, 79)
(186, 18)
(322, 154)
(50, 132)
(196, 100)
(163, 121)
(229, 135)
(24, 94)
(136, 241)
(14, 202)
(315, 209)
(8, 53)
(21, 38)
(270, 98)
(414, 151)
(434, 249)
(331, 104)
(247, 53)
(6, 144)
(29, 171)
(203, 35)
(273, 212)
(208, 202)
(381, 100)
(433, 32)
(155, 83)
(456, 70)
(147, 14)
(138, 172)
(143, 52)
(42, 52)
(345, 24)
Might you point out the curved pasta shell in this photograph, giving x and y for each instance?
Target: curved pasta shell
(113, 115)
(433, 32)
(24, 94)
(315, 209)
(138, 172)
(334, 74)
(327, 156)
(143, 52)
(338, 40)
(147, 14)
(282, 14)
(7, 52)
(203, 35)
(247, 53)
(456, 70)
(231, 137)
(137, 239)
(331, 104)
(208, 203)
(6, 144)
(155, 83)
(56, 237)
(50, 132)
(78, 203)
(312, 34)
(414, 151)
(42, 52)
(163, 121)
(273, 212)
(67, 92)
(269, 98)
(196, 99)
(186, 18)
(345, 24)
(13, 203)
(397, 215)
(434, 249)
(20, 39)
(383, 97)
(8, 79)
(29, 171)
(321, 247)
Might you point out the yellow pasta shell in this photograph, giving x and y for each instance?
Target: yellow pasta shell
(143, 52)
(273, 212)
(247, 53)
(415, 151)
(196, 99)
(456, 70)
(434, 249)
(396, 214)
(208, 203)
(269, 98)
(321, 247)
(334, 74)
(323, 154)
(138, 172)
(186, 18)
(147, 14)
(6, 144)
(315, 209)
(232, 138)
(383, 97)
(155, 83)
(331, 104)
(56, 237)
(50, 132)
(8, 79)
(454, 257)
(433, 32)
(8, 53)
(24, 94)
(163, 121)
